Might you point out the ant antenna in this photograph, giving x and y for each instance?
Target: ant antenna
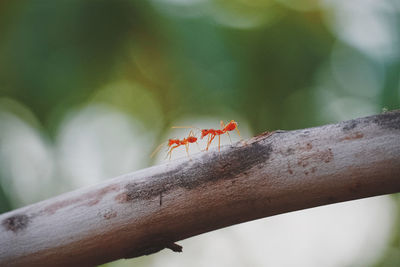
(187, 127)
(157, 149)
(241, 138)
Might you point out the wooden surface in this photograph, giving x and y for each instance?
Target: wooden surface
(148, 210)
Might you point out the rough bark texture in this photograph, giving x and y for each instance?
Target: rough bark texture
(148, 210)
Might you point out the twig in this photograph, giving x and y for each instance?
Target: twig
(145, 211)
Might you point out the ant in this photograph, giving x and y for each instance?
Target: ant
(212, 133)
(174, 143)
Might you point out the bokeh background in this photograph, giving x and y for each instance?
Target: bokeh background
(89, 88)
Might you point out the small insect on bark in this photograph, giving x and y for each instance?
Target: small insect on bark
(175, 143)
(212, 133)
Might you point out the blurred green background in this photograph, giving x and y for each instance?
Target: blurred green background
(89, 88)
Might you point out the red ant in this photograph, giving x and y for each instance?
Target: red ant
(212, 133)
(232, 125)
(174, 143)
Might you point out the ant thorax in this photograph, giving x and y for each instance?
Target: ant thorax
(192, 139)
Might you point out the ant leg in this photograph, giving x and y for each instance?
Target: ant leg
(241, 139)
(187, 149)
(219, 142)
(230, 139)
(170, 151)
(223, 127)
(211, 139)
(208, 142)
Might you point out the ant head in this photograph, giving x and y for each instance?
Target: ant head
(171, 142)
(192, 139)
(232, 125)
(204, 132)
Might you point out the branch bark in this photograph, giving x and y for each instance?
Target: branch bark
(148, 210)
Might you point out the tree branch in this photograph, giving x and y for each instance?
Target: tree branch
(148, 210)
